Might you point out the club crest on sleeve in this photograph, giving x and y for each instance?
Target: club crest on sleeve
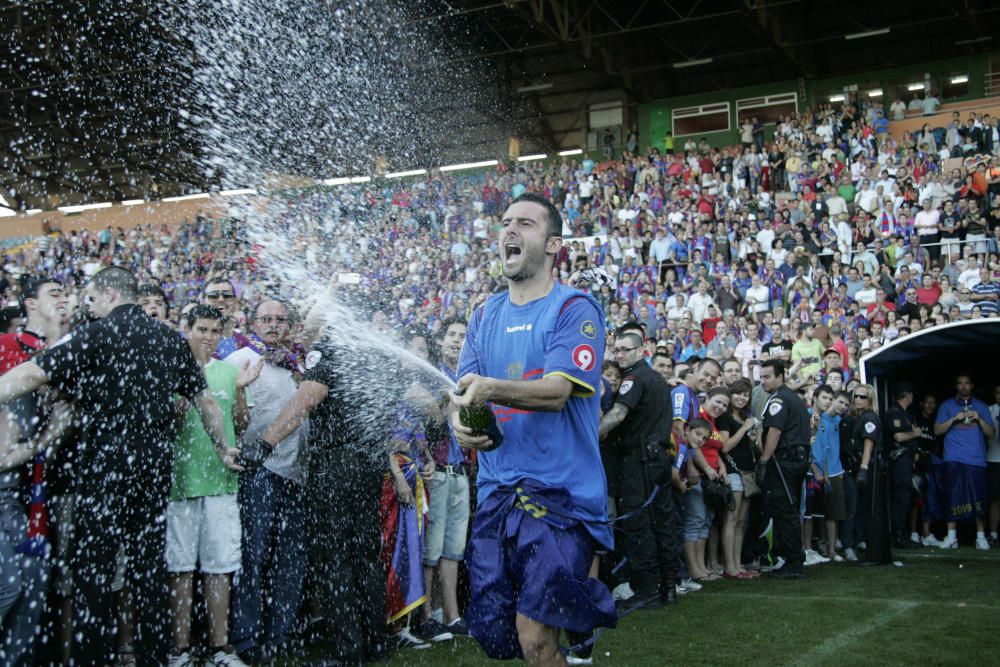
(312, 359)
(626, 385)
(870, 427)
(897, 423)
(584, 357)
(588, 329)
(774, 408)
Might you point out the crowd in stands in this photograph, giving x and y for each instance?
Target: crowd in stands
(817, 245)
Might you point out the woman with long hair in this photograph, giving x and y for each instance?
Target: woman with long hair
(737, 430)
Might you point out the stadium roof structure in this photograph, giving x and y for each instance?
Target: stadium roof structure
(559, 52)
(88, 88)
(930, 359)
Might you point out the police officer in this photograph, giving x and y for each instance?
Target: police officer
(872, 478)
(781, 470)
(638, 430)
(342, 499)
(121, 372)
(903, 439)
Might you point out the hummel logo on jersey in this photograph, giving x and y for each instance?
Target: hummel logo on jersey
(519, 327)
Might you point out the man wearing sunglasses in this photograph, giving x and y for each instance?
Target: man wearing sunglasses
(221, 294)
(638, 430)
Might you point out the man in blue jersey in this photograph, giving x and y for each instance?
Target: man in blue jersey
(967, 425)
(534, 355)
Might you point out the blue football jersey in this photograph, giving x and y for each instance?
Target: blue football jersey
(559, 334)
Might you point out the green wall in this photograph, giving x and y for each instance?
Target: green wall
(655, 117)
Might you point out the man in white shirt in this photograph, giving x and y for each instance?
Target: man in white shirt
(931, 104)
(765, 237)
(758, 296)
(845, 236)
(678, 311)
(926, 222)
(969, 277)
(916, 104)
(835, 204)
(660, 247)
(866, 197)
(897, 110)
(699, 302)
(866, 295)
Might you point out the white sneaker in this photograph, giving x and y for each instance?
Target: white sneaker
(574, 660)
(982, 544)
(813, 558)
(850, 556)
(837, 558)
(863, 546)
(689, 586)
(930, 541)
(838, 545)
(622, 592)
(405, 639)
(223, 659)
(438, 615)
(182, 660)
(949, 543)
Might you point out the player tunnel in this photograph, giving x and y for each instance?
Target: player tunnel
(931, 359)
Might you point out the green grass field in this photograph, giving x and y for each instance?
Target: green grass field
(940, 608)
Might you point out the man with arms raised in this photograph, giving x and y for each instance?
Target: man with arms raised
(534, 354)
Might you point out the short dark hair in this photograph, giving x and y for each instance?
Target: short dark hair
(554, 217)
(149, 289)
(442, 332)
(662, 355)
(776, 365)
(901, 389)
(202, 312)
(631, 325)
(116, 278)
(634, 337)
(823, 389)
(216, 281)
(30, 289)
(7, 315)
(709, 360)
(698, 422)
(719, 391)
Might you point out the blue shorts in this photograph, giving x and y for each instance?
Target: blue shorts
(965, 489)
(525, 559)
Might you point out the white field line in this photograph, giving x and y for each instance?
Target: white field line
(857, 600)
(838, 642)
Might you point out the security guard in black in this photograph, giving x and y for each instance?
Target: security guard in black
(345, 483)
(903, 439)
(872, 479)
(122, 372)
(640, 442)
(785, 472)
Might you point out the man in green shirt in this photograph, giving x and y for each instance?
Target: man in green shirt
(203, 516)
(809, 351)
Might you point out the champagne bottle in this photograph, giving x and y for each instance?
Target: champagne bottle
(482, 421)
